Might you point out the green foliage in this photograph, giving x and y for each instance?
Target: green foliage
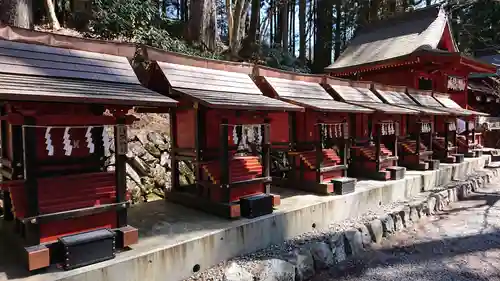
(278, 58)
(139, 21)
(477, 26)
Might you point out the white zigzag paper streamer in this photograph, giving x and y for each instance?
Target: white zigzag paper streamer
(67, 142)
(48, 142)
(106, 142)
(88, 137)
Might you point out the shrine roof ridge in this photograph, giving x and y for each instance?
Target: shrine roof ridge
(37, 72)
(385, 40)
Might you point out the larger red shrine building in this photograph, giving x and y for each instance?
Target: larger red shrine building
(416, 49)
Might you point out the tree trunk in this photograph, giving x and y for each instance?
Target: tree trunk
(302, 32)
(202, 25)
(229, 13)
(17, 13)
(323, 44)
(239, 17)
(51, 13)
(278, 31)
(254, 21)
(374, 9)
(284, 26)
(291, 40)
(338, 26)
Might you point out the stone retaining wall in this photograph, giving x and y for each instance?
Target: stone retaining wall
(303, 262)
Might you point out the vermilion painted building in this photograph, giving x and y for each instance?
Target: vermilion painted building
(416, 50)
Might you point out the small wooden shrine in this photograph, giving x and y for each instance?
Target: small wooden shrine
(318, 150)
(466, 141)
(374, 153)
(223, 126)
(415, 147)
(444, 139)
(59, 203)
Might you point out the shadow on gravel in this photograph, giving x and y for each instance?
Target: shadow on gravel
(430, 260)
(426, 259)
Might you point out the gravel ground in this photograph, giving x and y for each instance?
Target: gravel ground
(462, 243)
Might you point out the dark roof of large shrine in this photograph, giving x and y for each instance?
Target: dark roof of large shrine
(311, 95)
(395, 37)
(216, 88)
(31, 72)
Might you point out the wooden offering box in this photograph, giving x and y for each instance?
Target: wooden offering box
(54, 139)
(374, 154)
(419, 129)
(319, 137)
(224, 127)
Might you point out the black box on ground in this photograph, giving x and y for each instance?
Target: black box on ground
(459, 158)
(470, 154)
(86, 248)
(256, 205)
(397, 172)
(433, 164)
(343, 185)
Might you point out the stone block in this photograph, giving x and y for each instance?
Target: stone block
(234, 272)
(275, 269)
(376, 230)
(431, 205)
(387, 225)
(398, 221)
(304, 263)
(405, 216)
(365, 236)
(414, 217)
(322, 255)
(337, 244)
(354, 247)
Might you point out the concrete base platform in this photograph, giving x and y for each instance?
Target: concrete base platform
(175, 241)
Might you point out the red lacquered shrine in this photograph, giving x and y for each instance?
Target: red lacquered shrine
(415, 49)
(374, 153)
(466, 127)
(319, 137)
(484, 96)
(415, 147)
(224, 126)
(60, 203)
(445, 127)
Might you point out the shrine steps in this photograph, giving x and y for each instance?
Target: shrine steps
(246, 182)
(331, 173)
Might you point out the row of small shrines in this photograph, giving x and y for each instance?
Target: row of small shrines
(244, 129)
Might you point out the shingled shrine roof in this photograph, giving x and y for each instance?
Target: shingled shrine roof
(365, 97)
(309, 94)
(32, 72)
(219, 88)
(398, 97)
(428, 100)
(448, 103)
(421, 29)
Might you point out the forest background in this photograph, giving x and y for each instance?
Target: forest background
(295, 35)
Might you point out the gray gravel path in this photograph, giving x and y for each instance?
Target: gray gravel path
(462, 243)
